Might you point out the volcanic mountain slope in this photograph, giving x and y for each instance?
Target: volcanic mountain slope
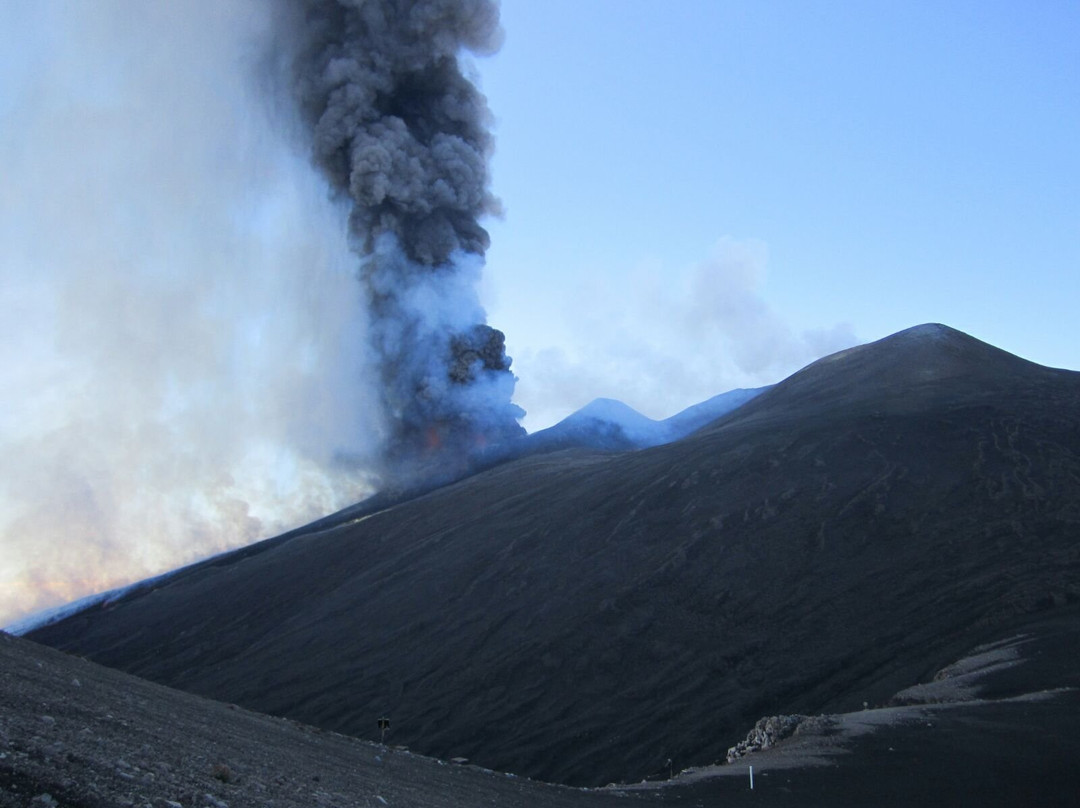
(603, 424)
(583, 617)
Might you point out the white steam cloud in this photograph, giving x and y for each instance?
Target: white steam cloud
(667, 338)
(180, 348)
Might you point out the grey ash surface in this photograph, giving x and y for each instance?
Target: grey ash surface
(77, 735)
(584, 617)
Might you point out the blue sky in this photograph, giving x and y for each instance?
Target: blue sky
(896, 163)
(699, 196)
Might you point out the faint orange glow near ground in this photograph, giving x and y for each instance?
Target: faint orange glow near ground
(21, 598)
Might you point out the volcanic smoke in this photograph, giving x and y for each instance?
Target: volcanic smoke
(402, 136)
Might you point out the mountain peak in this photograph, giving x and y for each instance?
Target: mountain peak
(930, 331)
(606, 423)
(609, 409)
(908, 371)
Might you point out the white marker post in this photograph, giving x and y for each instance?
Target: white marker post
(751, 778)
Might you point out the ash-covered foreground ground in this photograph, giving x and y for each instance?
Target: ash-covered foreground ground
(998, 727)
(76, 734)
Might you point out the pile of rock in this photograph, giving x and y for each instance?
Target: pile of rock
(767, 732)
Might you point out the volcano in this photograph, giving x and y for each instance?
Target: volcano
(584, 616)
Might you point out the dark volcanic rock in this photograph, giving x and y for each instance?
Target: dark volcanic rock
(585, 617)
(766, 734)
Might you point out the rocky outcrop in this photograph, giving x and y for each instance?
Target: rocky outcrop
(767, 732)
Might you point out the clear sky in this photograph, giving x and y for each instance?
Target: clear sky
(891, 163)
(699, 194)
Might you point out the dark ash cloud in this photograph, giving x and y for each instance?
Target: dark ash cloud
(402, 135)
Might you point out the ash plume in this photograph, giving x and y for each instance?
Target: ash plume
(401, 134)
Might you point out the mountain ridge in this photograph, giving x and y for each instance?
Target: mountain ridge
(582, 616)
(606, 423)
(903, 371)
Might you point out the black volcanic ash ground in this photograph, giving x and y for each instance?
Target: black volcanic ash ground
(583, 617)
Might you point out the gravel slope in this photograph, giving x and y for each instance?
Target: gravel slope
(76, 734)
(997, 728)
